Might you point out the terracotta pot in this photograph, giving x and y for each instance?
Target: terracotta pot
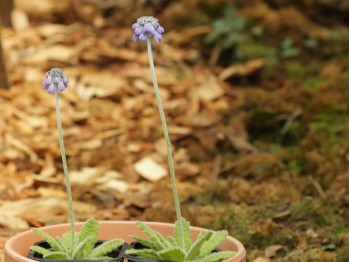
(17, 247)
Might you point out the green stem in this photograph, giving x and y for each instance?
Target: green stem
(65, 167)
(167, 140)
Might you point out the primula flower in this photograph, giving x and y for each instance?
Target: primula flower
(147, 26)
(55, 78)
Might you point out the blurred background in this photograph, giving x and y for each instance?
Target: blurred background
(256, 98)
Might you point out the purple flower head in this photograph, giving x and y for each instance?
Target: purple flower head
(147, 26)
(55, 79)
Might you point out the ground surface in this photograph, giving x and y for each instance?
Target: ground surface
(257, 102)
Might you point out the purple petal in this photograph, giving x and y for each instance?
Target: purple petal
(160, 30)
(135, 38)
(140, 21)
(157, 37)
(61, 87)
(138, 31)
(148, 29)
(51, 89)
(134, 26)
(143, 37)
(155, 24)
(46, 83)
(65, 81)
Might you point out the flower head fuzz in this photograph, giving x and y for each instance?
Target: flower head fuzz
(55, 78)
(147, 26)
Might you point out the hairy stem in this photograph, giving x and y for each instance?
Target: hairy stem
(167, 140)
(65, 167)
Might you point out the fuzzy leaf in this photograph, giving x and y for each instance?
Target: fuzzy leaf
(52, 242)
(56, 255)
(218, 256)
(66, 249)
(164, 242)
(144, 242)
(89, 231)
(196, 247)
(67, 241)
(145, 253)
(159, 242)
(185, 231)
(105, 248)
(41, 250)
(79, 251)
(172, 254)
(215, 239)
(172, 241)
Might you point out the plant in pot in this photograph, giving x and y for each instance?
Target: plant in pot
(183, 246)
(72, 245)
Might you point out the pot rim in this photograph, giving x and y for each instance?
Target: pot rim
(9, 245)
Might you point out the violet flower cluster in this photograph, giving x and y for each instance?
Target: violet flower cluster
(147, 26)
(55, 78)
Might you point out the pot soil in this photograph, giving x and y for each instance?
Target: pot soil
(17, 247)
(117, 255)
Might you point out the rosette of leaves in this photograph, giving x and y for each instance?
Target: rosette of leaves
(84, 248)
(171, 249)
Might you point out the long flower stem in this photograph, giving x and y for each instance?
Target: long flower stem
(65, 166)
(167, 140)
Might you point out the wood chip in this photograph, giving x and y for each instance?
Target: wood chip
(116, 185)
(149, 169)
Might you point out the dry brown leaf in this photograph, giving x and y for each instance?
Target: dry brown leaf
(271, 251)
(208, 91)
(99, 85)
(242, 70)
(239, 140)
(59, 53)
(203, 119)
(19, 20)
(261, 259)
(43, 7)
(14, 214)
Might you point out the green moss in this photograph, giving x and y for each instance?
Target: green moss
(303, 210)
(342, 253)
(295, 68)
(251, 50)
(313, 82)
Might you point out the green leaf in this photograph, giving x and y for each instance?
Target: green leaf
(144, 242)
(79, 251)
(203, 236)
(56, 255)
(66, 249)
(145, 253)
(218, 256)
(159, 242)
(106, 247)
(67, 241)
(89, 231)
(172, 254)
(214, 240)
(52, 242)
(172, 241)
(41, 250)
(185, 232)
